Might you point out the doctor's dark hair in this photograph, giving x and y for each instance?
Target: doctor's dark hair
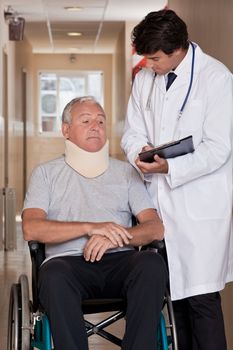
(66, 115)
(162, 30)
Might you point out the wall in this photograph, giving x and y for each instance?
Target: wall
(3, 34)
(11, 127)
(119, 93)
(122, 76)
(42, 148)
(128, 58)
(23, 65)
(210, 25)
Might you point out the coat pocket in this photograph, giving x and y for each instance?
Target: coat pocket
(208, 198)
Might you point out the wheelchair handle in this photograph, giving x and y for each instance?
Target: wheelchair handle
(33, 245)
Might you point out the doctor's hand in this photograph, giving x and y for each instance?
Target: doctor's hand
(159, 166)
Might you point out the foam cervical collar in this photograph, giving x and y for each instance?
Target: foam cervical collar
(88, 164)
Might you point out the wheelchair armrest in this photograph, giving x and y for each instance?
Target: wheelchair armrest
(156, 244)
(37, 253)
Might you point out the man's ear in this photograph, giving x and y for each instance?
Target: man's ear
(65, 130)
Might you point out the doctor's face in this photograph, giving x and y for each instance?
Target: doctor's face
(161, 63)
(87, 129)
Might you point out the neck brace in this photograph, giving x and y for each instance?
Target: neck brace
(88, 164)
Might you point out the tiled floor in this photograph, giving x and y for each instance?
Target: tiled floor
(13, 264)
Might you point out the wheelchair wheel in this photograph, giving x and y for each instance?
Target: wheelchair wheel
(19, 316)
(25, 312)
(14, 319)
(169, 317)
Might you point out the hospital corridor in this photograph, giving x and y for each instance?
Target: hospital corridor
(84, 91)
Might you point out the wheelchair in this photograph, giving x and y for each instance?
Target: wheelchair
(28, 325)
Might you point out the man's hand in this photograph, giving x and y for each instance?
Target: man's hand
(95, 248)
(115, 233)
(159, 166)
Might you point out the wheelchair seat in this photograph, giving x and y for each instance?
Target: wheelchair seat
(28, 325)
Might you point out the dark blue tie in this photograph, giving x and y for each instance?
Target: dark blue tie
(170, 78)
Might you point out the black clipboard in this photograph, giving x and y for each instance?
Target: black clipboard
(169, 150)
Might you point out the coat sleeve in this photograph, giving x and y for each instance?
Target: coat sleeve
(215, 148)
(135, 135)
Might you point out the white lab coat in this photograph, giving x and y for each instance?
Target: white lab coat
(194, 199)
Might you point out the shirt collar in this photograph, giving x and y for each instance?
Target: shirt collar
(185, 64)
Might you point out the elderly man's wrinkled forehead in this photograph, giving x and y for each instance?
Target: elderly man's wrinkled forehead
(86, 105)
(79, 102)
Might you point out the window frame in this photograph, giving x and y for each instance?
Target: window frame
(59, 74)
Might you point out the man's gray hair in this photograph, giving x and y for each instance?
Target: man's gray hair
(66, 115)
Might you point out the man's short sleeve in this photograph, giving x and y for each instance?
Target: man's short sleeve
(38, 192)
(139, 198)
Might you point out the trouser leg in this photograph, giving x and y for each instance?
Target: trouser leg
(63, 283)
(183, 324)
(205, 322)
(144, 288)
(141, 277)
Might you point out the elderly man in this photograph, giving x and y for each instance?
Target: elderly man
(80, 205)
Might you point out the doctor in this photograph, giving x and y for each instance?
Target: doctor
(193, 193)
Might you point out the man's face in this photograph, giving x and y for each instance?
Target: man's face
(87, 128)
(161, 63)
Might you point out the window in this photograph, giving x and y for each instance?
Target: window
(57, 89)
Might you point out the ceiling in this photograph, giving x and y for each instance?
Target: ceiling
(47, 22)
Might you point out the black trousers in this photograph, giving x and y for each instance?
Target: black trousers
(140, 277)
(199, 322)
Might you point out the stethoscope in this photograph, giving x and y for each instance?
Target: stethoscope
(148, 103)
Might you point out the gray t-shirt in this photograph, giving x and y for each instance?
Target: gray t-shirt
(65, 195)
